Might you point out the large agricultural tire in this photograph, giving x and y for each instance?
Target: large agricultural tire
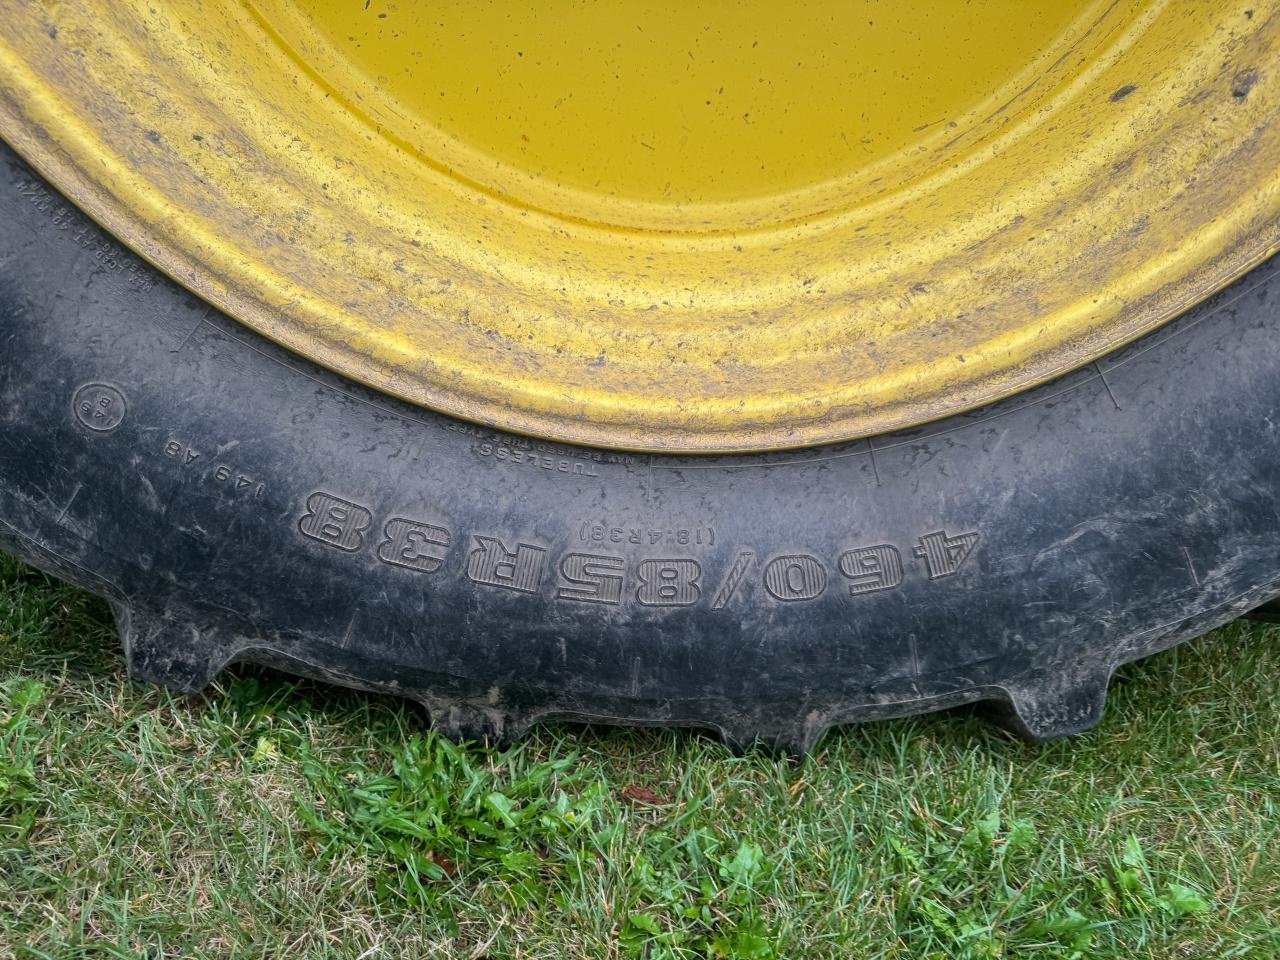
(234, 502)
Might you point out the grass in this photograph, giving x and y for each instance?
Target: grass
(281, 818)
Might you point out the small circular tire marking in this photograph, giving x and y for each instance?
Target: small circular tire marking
(99, 406)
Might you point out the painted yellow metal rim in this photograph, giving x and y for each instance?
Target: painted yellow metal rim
(670, 225)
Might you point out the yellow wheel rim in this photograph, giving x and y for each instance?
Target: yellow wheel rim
(670, 225)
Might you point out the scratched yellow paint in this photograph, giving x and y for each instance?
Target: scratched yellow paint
(566, 103)
(670, 226)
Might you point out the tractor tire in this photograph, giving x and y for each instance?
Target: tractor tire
(234, 502)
